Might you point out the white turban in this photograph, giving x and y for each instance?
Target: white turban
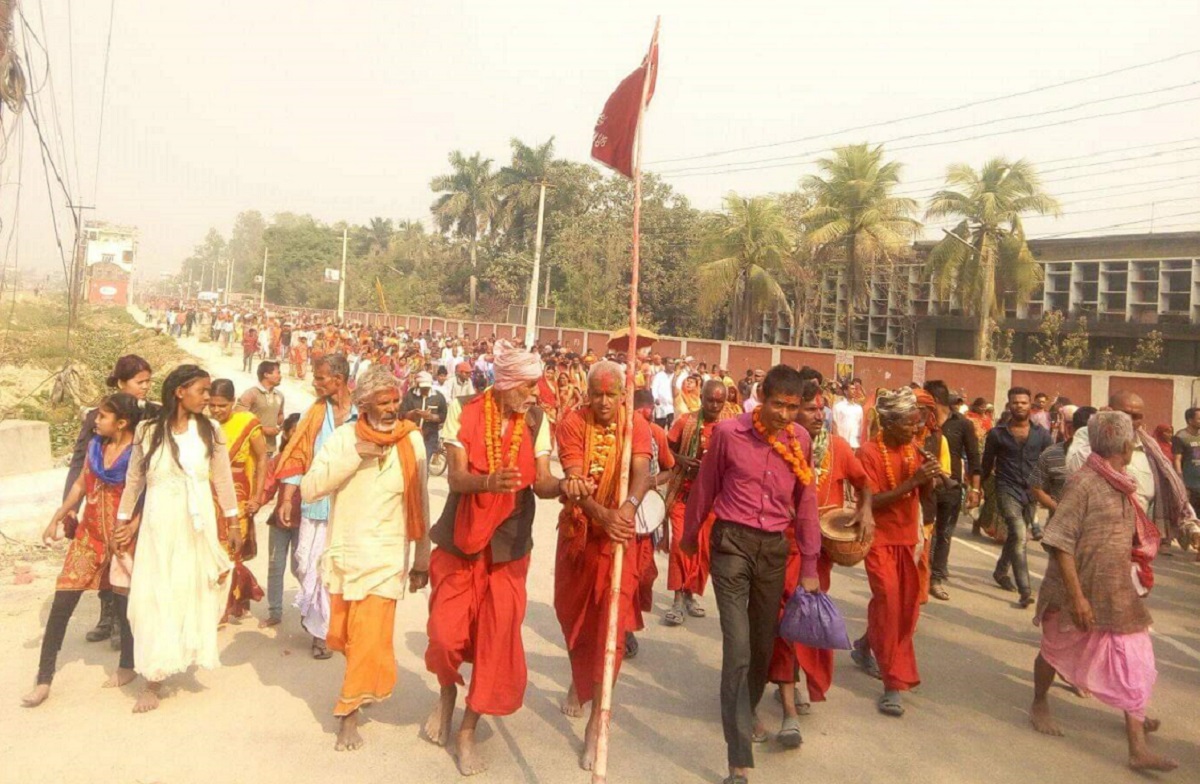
(514, 365)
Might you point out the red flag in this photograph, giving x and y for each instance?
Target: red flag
(617, 128)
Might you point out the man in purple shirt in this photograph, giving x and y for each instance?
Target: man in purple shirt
(756, 496)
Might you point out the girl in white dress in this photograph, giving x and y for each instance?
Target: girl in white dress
(178, 588)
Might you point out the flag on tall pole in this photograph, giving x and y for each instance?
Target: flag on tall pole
(617, 143)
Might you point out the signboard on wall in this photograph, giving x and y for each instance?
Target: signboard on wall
(843, 367)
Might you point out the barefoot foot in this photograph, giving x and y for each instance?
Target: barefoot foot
(37, 696)
(1042, 721)
(348, 738)
(437, 726)
(119, 679)
(467, 754)
(1146, 760)
(1151, 725)
(267, 623)
(570, 705)
(148, 699)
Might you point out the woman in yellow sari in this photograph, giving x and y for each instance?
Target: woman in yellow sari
(248, 460)
(687, 399)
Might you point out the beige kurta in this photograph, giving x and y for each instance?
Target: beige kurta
(368, 548)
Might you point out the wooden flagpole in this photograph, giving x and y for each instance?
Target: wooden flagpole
(600, 766)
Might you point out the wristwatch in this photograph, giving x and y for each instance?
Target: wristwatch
(634, 500)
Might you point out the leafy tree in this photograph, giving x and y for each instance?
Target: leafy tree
(469, 204)
(380, 232)
(1145, 356)
(1056, 346)
(752, 239)
(200, 269)
(856, 222)
(987, 254)
(246, 250)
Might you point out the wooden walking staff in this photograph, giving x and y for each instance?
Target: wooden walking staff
(615, 135)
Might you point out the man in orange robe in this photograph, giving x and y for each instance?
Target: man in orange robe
(593, 522)
(835, 465)
(687, 575)
(897, 475)
(498, 449)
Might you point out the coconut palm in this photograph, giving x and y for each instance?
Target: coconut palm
(520, 187)
(379, 233)
(987, 254)
(753, 238)
(468, 204)
(856, 222)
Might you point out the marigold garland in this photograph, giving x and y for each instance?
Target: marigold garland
(908, 458)
(604, 440)
(493, 438)
(793, 455)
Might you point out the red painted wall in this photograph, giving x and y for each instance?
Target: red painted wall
(108, 292)
(597, 342)
(1157, 395)
(971, 381)
(668, 348)
(888, 372)
(547, 335)
(1076, 386)
(742, 358)
(705, 351)
(572, 340)
(798, 358)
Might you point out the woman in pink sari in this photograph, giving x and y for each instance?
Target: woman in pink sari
(1095, 625)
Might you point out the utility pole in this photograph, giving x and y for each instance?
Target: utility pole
(532, 309)
(341, 312)
(262, 291)
(75, 273)
(228, 278)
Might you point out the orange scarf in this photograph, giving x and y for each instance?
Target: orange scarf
(414, 508)
(297, 457)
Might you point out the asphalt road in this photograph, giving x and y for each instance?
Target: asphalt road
(266, 715)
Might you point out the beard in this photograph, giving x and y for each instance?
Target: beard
(379, 423)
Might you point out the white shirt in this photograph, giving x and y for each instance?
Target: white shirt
(848, 421)
(1139, 468)
(664, 394)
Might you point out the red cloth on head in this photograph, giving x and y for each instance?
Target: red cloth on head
(476, 610)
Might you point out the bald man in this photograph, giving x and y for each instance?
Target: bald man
(597, 515)
(1160, 488)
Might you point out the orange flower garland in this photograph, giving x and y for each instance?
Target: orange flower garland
(493, 437)
(908, 457)
(793, 455)
(604, 440)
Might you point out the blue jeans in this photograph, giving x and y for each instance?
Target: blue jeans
(279, 543)
(1017, 518)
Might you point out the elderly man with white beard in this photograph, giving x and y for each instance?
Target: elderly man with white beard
(374, 471)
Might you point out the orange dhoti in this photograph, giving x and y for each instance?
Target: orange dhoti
(647, 574)
(581, 600)
(893, 613)
(476, 610)
(688, 572)
(817, 663)
(362, 630)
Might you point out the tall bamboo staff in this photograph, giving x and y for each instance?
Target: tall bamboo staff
(600, 766)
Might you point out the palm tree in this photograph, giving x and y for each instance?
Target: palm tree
(753, 238)
(379, 232)
(856, 221)
(986, 253)
(468, 204)
(524, 186)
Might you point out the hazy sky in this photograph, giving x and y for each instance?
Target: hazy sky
(347, 110)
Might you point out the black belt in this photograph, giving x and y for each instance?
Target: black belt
(751, 530)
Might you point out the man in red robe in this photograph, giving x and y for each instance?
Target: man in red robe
(661, 463)
(836, 466)
(498, 450)
(897, 476)
(593, 521)
(687, 575)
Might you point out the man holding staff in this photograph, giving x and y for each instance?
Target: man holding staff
(757, 479)
(593, 521)
(498, 449)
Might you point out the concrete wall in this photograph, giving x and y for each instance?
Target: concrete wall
(1166, 397)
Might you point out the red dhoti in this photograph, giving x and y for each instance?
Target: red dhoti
(647, 574)
(688, 572)
(581, 599)
(923, 567)
(893, 612)
(476, 609)
(817, 663)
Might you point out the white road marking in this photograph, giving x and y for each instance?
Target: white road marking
(1182, 647)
